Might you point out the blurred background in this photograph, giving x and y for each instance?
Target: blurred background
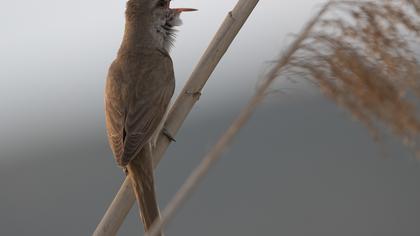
(302, 166)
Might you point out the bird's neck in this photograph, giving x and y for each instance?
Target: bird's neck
(138, 36)
(145, 31)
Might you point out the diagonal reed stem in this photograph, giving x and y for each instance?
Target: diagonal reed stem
(198, 174)
(231, 26)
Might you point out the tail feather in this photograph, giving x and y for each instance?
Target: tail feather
(141, 172)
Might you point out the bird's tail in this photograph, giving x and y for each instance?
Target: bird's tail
(141, 172)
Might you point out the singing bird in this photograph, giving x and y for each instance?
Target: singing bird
(139, 87)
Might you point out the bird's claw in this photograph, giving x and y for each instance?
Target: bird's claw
(166, 132)
(125, 169)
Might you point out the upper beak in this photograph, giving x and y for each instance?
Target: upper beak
(179, 10)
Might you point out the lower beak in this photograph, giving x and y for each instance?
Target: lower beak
(179, 10)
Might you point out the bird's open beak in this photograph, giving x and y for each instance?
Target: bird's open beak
(179, 10)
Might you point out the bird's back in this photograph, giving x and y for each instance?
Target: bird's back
(138, 91)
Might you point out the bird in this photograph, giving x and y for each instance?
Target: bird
(138, 90)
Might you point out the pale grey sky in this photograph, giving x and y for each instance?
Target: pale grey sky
(301, 166)
(55, 55)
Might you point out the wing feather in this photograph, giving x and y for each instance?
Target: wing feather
(114, 111)
(132, 121)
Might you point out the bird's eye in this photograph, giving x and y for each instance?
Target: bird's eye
(163, 3)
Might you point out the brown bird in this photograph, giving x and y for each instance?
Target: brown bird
(139, 87)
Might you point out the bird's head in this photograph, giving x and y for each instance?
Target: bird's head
(165, 19)
(157, 18)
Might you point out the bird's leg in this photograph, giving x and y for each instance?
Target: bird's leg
(168, 134)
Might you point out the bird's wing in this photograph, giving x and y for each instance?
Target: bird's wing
(147, 106)
(115, 110)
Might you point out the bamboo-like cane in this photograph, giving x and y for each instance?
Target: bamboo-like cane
(216, 152)
(231, 26)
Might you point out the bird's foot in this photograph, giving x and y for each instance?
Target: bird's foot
(125, 170)
(166, 132)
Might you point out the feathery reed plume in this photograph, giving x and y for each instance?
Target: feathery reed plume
(363, 56)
